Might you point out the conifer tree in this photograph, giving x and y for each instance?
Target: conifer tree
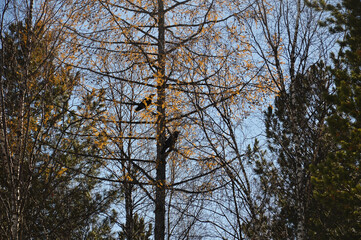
(287, 37)
(140, 230)
(296, 137)
(337, 181)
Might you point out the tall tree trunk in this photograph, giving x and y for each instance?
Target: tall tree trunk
(129, 218)
(300, 187)
(159, 228)
(300, 229)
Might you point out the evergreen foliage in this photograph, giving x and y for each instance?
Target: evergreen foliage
(141, 230)
(337, 181)
(296, 136)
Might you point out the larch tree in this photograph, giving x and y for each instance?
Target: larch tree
(43, 194)
(192, 57)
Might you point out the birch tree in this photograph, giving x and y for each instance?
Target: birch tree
(42, 195)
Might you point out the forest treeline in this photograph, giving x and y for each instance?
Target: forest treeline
(191, 119)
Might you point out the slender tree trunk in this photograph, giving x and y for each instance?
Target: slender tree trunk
(129, 224)
(299, 171)
(159, 228)
(18, 162)
(300, 208)
(300, 203)
(15, 209)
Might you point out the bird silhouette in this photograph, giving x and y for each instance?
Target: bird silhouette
(170, 142)
(144, 103)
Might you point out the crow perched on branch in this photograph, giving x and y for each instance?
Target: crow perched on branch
(170, 142)
(145, 103)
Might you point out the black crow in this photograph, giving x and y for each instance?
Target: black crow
(170, 142)
(145, 103)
